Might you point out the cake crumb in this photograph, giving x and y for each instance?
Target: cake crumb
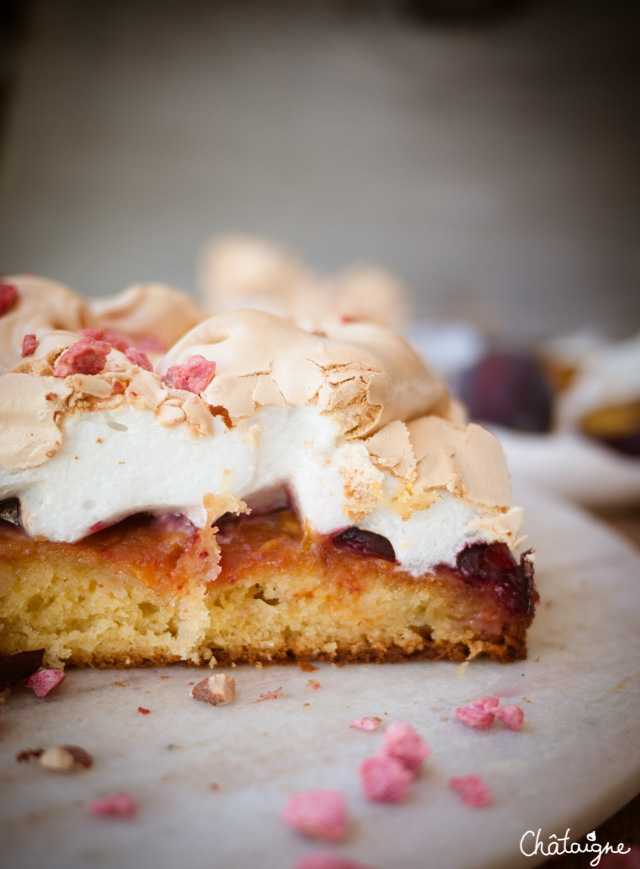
(313, 684)
(217, 690)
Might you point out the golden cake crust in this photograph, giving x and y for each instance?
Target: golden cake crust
(148, 593)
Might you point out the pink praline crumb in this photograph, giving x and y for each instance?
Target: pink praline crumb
(120, 805)
(8, 295)
(86, 356)
(29, 345)
(194, 375)
(327, 861)
(511, 716)
(43, 681)
(473, 716)
(365, 723)
(139, 358)
(385, 779)
(119, 342)
(403, 743)
(151, 345)
(320, 814)
(473, 790)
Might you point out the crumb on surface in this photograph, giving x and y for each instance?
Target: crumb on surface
(319, 814)
(366, 723)
(217, 690)
(385, 779)
(43, 681)
(66, 758)
(120, 805)
(403, 744)
(473, 790)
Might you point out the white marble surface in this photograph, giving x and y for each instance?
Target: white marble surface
(574, 467)
(575, 762)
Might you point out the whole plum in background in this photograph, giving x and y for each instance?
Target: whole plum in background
(509, 389)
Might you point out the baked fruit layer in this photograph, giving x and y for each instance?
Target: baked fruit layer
(143, 592)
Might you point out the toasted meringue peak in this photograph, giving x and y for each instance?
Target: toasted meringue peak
(28, 409)
(366, 293)
(238, 271)
(245, 272)
(347, 419)
(152, 310)
(391, 448)
(361, 374)
(42, 305)
(468, 462)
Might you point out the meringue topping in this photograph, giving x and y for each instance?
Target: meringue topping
(350, 422)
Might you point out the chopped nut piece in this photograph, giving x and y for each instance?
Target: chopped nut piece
(28, 753)
(66, 758)
(217, 690)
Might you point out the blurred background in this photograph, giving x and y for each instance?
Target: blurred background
(484, 151)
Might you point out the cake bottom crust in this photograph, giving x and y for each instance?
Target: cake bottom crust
(145, 593)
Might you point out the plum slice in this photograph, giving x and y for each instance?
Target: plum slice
(508, 389)
(493, 566)
(365, 542)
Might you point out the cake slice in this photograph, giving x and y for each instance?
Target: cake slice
(261, 493)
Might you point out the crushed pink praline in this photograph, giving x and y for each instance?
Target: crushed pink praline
(481, 714)
(43, 681)
(29, 345)
(327, 861)
(473, 790)
(139, 358)
(119, 342)
(368, 724)
(86, 356)
(120, 805)
(8, 295)
(403, 743)
(320, 814)
(385, 779)
(194, 375)
(511, 716)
